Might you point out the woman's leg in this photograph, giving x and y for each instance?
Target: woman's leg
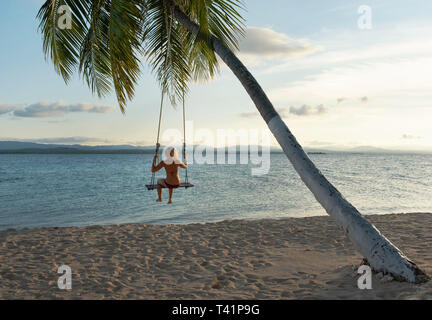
(170, 195)
(160, 182)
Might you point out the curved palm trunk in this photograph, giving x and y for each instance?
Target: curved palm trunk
(381, 254)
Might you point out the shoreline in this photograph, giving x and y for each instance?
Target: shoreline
(286, 258)
(41, 228)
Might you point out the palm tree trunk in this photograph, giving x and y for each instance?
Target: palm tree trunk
(380, 253)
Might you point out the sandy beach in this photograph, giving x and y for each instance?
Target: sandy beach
(293, 258)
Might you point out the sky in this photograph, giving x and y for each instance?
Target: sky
(335, 83)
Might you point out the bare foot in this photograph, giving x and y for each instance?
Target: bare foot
(158, 200)
(169, 201)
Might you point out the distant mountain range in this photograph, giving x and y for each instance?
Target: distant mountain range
(15, 147)
(18, 147)
(31, 147)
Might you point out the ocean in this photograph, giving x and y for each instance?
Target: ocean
(89, 189)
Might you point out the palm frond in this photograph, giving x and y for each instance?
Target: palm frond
(219, 18)
(103, 43)
(62, 45)
(165, 50)
(108, 37)
(95, 62)
(124, 43)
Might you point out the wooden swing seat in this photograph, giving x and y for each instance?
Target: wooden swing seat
(158, 186)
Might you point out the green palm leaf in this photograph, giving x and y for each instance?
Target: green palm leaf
(63, 46)
(109, 37)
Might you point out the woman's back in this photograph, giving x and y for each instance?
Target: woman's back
(172, 173)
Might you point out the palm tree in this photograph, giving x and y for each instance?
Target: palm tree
(180, 39)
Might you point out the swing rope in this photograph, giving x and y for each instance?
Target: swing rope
(157, 139)
(186, 183)
(184, 138)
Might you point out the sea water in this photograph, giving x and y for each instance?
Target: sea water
(77, 190)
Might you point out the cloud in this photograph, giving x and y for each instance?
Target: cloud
(394, 80)
(248, 115)
(254, 114)
(58, 109)
(364, 99)
(306, 110)
(92, 108)
(6, 108)
(410, 137)
(361, 99)
(265, 42)
(343, 48)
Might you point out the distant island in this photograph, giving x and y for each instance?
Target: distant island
(20, 147)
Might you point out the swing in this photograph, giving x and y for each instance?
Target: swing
(186, 184)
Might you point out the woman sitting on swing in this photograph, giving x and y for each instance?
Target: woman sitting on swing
(171, 164)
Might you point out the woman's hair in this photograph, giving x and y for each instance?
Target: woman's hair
(170, 155)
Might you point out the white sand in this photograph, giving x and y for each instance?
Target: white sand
(306, 258)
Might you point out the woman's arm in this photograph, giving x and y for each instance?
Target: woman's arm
(155, 167)
(184, 165)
